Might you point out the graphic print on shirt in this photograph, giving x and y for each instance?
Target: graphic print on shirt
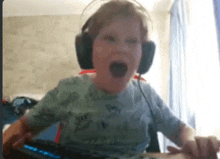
(82, 121)
(113, 109)
(104, 124)
(71, 97)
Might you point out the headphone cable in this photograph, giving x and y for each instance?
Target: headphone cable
(151, 111)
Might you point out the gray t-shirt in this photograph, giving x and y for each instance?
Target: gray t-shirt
(103, 122)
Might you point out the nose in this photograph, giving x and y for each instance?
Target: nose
(122, 46)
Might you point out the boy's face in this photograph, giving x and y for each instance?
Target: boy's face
(117, 52)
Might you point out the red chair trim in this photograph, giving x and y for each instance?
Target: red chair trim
(87, 71)
(57, 138)
(94, 71)
(4, 101)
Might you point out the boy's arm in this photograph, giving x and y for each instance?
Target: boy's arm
(199, 147)
(15, 132)
(183, 134)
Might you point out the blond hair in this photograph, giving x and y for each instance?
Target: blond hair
(116, 8)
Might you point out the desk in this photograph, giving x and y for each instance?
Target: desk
(164, 156)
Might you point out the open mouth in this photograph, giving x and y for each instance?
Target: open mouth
(118, 69)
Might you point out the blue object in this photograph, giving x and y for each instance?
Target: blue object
(45, 153)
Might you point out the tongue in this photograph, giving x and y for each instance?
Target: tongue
(118, 69)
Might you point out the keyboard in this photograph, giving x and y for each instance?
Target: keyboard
(50, 150)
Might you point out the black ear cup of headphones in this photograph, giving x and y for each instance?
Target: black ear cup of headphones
(84, 44)
(148, 51)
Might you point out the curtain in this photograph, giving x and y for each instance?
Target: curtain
(203, 71)
(216, 4)
(177, 100)
(194, 80)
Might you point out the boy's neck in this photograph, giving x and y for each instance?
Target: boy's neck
(101, 86)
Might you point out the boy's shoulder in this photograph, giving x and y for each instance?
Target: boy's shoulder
(143, 84)
(74, 79)
(147, 88)
(73, 82)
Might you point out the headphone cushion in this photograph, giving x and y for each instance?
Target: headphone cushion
(148, 51)
(83, 43)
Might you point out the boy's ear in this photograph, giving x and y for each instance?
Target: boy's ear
(83, 44)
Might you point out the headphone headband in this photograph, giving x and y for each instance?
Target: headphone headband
(135, 2)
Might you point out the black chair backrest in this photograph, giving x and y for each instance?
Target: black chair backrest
(154, 143)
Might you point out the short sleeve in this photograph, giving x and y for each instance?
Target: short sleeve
(49, 110)
(165, 120)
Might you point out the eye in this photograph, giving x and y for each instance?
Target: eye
(109, 38)
(132, 41)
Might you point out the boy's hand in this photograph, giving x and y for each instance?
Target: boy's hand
(15, 136)
(201, 147)
(20, 142)
(15, 142)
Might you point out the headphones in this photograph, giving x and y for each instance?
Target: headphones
(84, 43)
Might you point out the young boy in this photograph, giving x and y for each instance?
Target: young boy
(107, 112)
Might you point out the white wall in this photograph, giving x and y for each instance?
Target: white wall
(42, 7)
(38, 51)
(60, 7)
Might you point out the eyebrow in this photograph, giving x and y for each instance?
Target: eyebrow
(133, 38)
(115, 35)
